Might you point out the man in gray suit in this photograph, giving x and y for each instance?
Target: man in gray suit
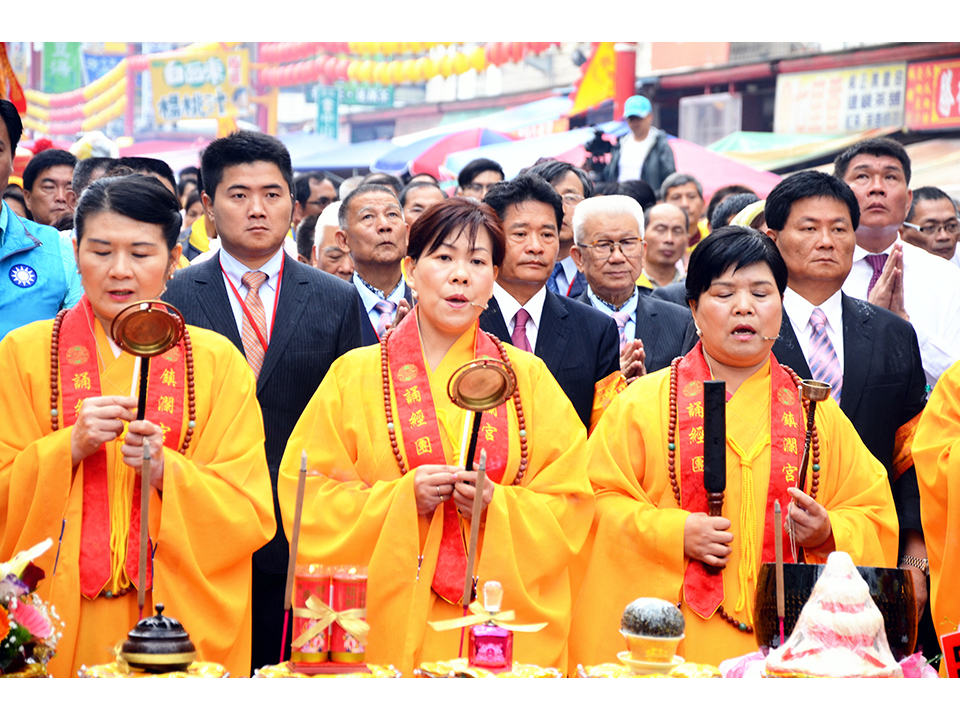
(291, 321)
(608, 250)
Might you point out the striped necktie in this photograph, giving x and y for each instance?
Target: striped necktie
(386, 309)
(252, 347)
(876, 262)
(824, 364)
(622, 318)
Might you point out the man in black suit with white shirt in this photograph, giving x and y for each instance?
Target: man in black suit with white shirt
(290, 320)
(872, 354)
(578, 344)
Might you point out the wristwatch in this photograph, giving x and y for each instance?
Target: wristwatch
(920, 563)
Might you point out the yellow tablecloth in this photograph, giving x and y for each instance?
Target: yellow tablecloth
(285, 670)
(118, 670)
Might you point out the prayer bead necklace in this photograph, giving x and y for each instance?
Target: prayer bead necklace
(55, 381)
(391, 428)
(672, 451)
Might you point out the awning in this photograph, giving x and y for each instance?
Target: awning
(773, 151)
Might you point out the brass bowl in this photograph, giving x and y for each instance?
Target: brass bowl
(890, 588)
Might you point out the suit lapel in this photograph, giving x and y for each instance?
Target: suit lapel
(492, 321)
(553, 333)
(215, 303)
(857, 351)
(645, 327)
(290, 304)
(787, 349)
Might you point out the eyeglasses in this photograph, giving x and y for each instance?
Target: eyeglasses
(628, 247)
(951, 226)
(572, 199)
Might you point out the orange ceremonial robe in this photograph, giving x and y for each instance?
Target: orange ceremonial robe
(636, 547)
(215, 511)
(359, 509)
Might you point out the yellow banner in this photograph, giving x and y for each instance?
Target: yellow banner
(201, 85)
(599, 79)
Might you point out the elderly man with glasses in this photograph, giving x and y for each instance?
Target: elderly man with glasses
(608, 250)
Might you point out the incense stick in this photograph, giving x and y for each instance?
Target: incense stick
(294, 542)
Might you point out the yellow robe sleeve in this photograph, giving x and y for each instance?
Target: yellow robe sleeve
(215, 510)
(636, 547)
(936, 455)
(359, 509)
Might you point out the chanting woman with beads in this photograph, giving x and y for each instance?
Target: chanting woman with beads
(386, 484)
(652, 534)
(71, 450)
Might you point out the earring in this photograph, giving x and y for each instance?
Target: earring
(699, 334)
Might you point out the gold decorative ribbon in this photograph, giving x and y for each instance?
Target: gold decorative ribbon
(350, 620)
(481, 615)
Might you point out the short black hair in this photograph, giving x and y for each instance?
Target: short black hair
(150, 166)
(725, 191)
(84, 169)
(45, 160)
(186, 172)
(524, 187)
(639, 190)
(360, 190)
(728, 207)
(416, 186)
(927, 193)
(140, 197)
(475, 167)
(878, 147)
(382, 178)
(732, 246)
(553, 171)
(302, 185)
(11, 118)
(306, 231)
(805, 184)
(241, 148)
(452, 217)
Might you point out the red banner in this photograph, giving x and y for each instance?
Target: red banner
(933, 95)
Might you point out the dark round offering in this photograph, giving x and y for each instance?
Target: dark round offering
(653, 617)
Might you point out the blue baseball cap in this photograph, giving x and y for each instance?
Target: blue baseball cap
(636, 105)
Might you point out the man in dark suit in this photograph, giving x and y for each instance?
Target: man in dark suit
(869, 355)
(291, 322)
(373, 231)
(608, 250)
(577, 343)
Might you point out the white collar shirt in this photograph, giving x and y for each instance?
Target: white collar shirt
(799, 309)
(509, 307)
(233, 271)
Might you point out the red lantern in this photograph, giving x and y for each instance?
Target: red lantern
(330, 69)
(341, 70)
(488, 52)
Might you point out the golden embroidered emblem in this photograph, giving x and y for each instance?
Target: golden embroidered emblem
(785, 396)
(77, 355)
(693, 388)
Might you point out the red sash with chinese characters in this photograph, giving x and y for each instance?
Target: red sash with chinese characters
(702, 590)
(416, 419)
(80, 379)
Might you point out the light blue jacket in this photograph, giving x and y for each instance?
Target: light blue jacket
(38, 273)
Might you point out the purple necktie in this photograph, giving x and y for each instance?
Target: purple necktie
(519, 336)
(622, 318)
(876, 262)
(386, 309)
(824, 364)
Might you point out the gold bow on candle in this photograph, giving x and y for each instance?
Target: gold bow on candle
(481, 615)
(350, 620)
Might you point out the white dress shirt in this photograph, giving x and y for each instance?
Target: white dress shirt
(565, 278)
(509, 307)
(233, 270)
(370, 296)
(931, 297)
(799, 309)
(630, 306)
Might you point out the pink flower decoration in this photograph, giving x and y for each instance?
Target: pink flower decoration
(32, 619)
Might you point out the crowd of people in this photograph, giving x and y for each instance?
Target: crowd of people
(331, 316)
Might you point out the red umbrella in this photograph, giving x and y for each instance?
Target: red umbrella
(426, 156)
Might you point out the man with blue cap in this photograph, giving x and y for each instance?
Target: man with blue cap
(643, 152)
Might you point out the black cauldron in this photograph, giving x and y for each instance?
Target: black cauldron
(158, 644)
(890, 588)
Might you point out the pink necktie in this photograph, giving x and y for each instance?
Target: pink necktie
(876, 262)
(252, 347)
(519, 336)
(824, 364)
(386, 309)
(622, 318)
